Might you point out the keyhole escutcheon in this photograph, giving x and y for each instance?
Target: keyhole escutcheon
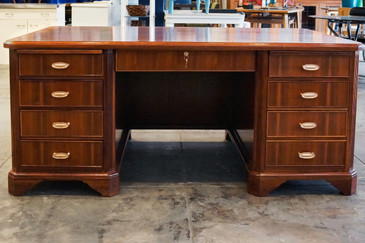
(186, 58)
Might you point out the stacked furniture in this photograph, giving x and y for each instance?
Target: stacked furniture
(20, 19)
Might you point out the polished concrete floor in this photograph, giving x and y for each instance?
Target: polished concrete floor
(181, 190)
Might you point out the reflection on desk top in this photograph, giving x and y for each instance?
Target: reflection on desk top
(183, 37)
(360, 19)
(272, 10)
(200, 12)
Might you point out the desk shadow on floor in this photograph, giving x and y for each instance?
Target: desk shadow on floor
(175, 162)
(71, 188)
(305, 187)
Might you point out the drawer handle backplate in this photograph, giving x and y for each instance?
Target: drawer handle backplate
(309, 95)
(61, 125)
(60, 94)
(60, 65)
(310, 67)
(308, 125)
(61, 155)
(307, 155)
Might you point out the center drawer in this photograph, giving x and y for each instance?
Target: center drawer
(147, 60)
(306, 124)
(61, 123)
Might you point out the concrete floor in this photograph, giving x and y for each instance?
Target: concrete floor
(181, 192)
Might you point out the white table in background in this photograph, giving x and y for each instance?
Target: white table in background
(194, 17)
(98, 13)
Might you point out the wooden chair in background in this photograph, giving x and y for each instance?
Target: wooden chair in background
(343, 28)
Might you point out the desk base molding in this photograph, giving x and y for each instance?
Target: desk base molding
(105, 184)
(261, 184)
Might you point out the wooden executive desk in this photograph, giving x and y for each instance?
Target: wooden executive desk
(287, 98)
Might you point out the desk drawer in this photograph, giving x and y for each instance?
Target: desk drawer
(32, 63)
(308, 94)
(306, 124)
(303, 64)
(309, 154)
(43, 154)
(61, 93)
(61, 124)
(136, 60)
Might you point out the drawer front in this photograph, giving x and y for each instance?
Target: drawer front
(308, 94)
(43, 154)
(136, 60)
(61, 124)
(61, 93)
(309, 154)
(32, 64)
(306, 124)
(286, 64)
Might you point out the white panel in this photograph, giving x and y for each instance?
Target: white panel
(38, 24)
(90, 16)
(18, 21)
(10, 29)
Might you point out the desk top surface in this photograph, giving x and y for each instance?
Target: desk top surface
(184, 37)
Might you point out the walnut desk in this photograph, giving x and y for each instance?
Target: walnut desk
(287, 97)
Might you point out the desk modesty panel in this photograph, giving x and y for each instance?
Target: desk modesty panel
(287, 98)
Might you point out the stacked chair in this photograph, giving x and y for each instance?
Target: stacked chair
(359, 35)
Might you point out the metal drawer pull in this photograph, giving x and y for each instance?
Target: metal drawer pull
(61, 125)
(60, 65)
(310, 67)
(60, 94)
(307, 155)
(61, 155)
(308, 125)
(9, 14)
(309, 95)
